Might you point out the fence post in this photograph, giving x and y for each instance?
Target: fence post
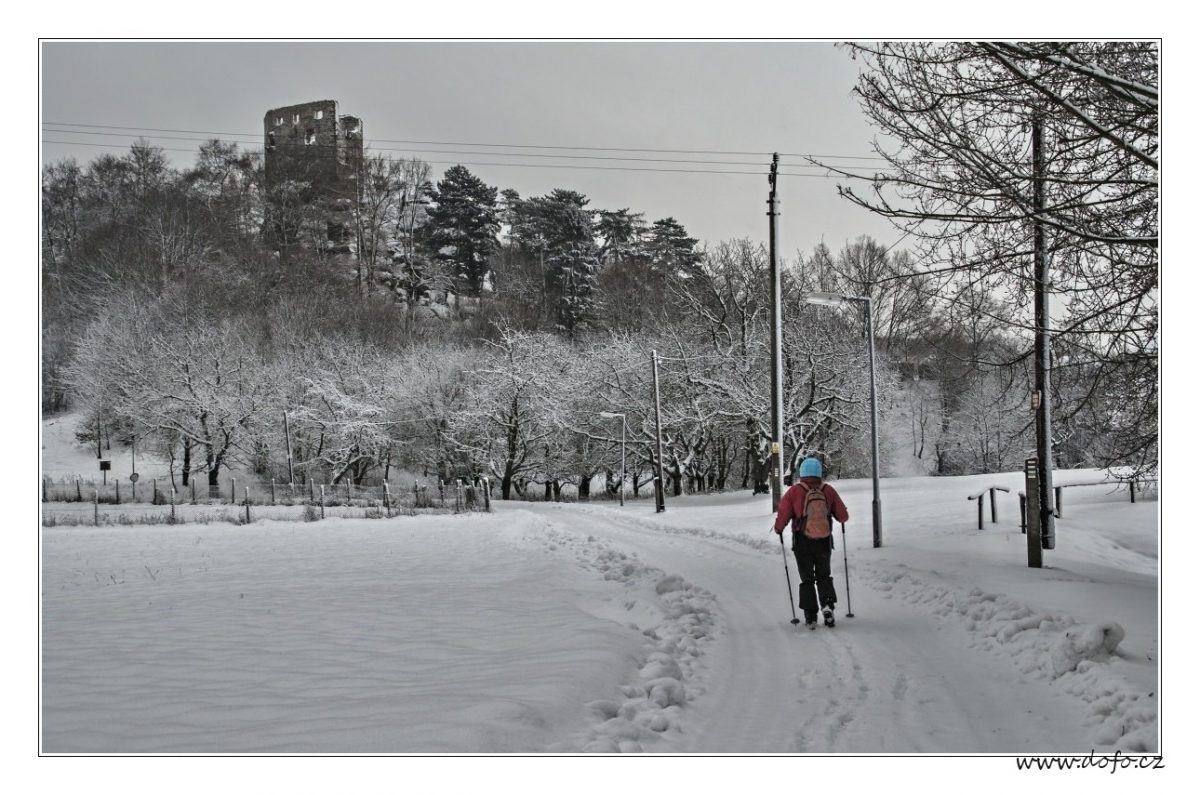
(192, 486)
(1058, 501)
(118, 482)
(458, 495)
(272, 491)
(387, 499)
(311, 489)
(980, 506)
(44, 498)
(247, 504)
(992, 497)
(349, 492)
(233, 491)
(154, 491)
(78, 493)
(96, 507)
(1021, 497)
(322, 500)
(292, 485)
(172, 505)
(441, 491)
(1132, 484)
(487, 494)
(132, 491)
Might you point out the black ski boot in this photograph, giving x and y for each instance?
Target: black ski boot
(810, 620)
(827, 612)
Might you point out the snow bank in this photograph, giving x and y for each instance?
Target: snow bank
(677, 621)
(1049, 645)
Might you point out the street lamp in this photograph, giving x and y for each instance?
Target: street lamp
(836, 299)
(613, 415)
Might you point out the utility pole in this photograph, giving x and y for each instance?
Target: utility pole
(660, 490)
(776, 345)
(1041, 322)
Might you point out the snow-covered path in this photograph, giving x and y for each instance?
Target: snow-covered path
(891, 679)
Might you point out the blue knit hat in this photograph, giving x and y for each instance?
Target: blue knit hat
(809, 468)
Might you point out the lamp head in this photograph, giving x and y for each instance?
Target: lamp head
(824, 299)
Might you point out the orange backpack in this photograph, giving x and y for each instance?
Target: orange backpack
(814, 520)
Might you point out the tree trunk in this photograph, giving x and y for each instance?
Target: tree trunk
(187, 462)
(585, 486)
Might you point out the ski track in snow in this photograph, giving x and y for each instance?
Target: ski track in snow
(838, 708)
(645, 713)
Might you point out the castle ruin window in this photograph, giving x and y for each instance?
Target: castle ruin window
(295, 118)
(278, 121)
(310, 137)
(319, 114)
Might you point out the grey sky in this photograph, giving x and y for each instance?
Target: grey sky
(745, 97)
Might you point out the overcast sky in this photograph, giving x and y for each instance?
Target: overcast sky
(736, 97)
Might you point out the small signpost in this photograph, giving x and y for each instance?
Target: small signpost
(105, 466)
(133, 478)
(1033, 518)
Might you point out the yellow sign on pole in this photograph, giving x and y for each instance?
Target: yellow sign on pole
(775, 448)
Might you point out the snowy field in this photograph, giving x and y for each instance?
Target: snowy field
(596, 628)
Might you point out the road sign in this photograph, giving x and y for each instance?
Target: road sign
(134, 477)
(105, 466)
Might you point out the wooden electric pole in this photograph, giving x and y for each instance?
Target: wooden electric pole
(660, 489)
(1041, 322)
(776, 345)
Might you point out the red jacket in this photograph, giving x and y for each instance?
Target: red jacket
(791, 505)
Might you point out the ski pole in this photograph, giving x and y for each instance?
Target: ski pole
(846, 560)
(787, 574)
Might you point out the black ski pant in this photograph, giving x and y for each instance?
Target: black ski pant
(816, 582)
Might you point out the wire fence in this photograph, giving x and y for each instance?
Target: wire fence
(78, 502)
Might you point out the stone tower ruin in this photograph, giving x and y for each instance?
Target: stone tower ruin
(313, 161)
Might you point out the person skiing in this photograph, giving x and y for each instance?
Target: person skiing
(811, 505)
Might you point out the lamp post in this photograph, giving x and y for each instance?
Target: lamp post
(613, 415)
(837, 299)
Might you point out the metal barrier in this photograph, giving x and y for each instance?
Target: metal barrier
(991, 492)
(1133, 484)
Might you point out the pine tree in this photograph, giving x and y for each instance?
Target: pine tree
(463, 226)
(672, 252)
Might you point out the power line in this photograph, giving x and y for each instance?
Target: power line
(444, 151)
(508, 165)
(491, 145)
